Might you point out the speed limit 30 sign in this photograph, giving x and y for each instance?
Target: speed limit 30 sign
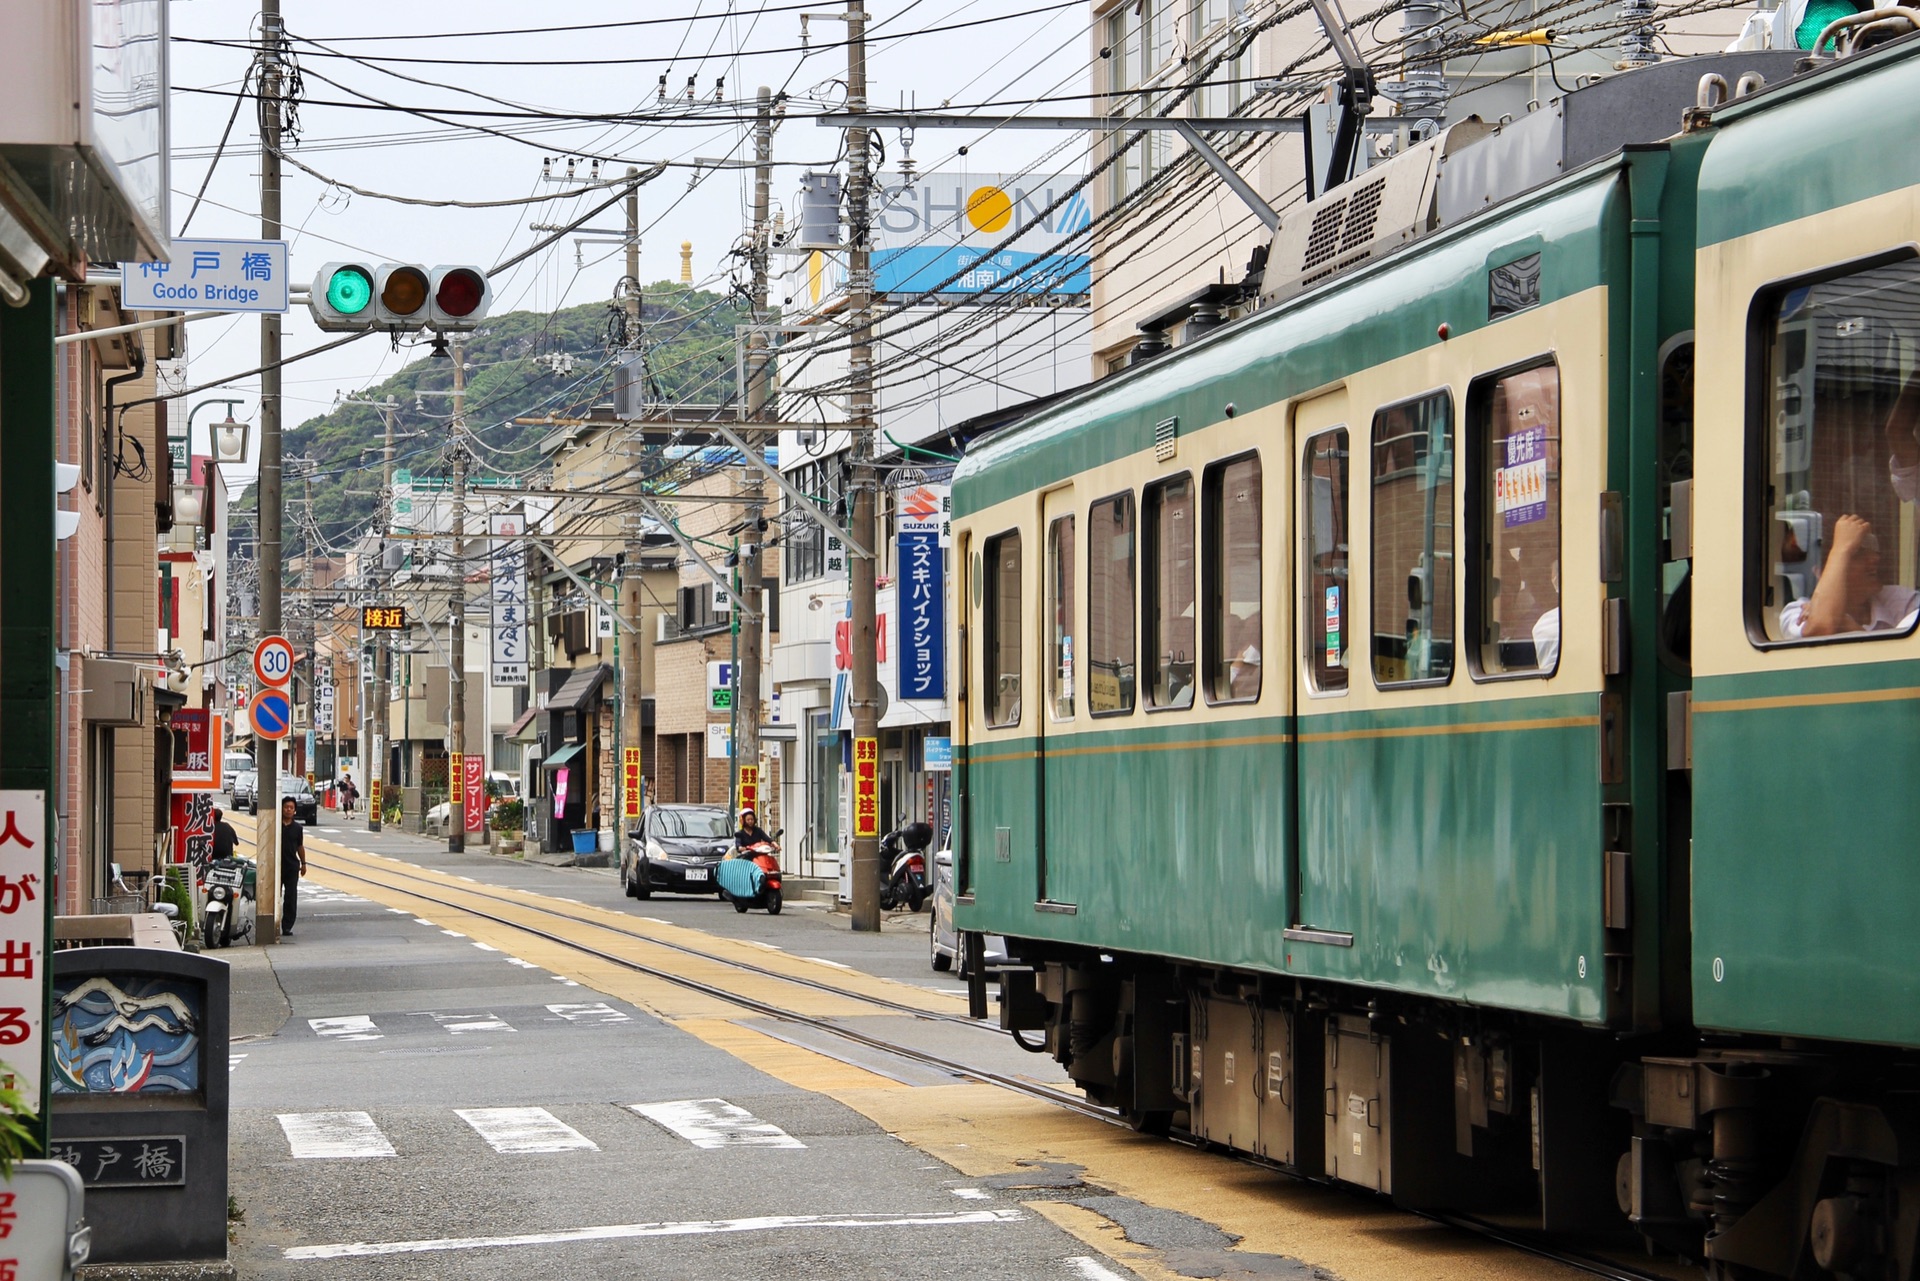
(273, 660)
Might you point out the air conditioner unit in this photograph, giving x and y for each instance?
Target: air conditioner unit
(116, 693)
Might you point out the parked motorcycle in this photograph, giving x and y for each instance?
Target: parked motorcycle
(230, 895)
(903, 867)
(750, 877)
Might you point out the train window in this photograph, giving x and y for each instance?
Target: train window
(1324, 498)
(1411, 468)
(1836, 445)
(1110, 606)
(1060, 617)
(1002, 650)
(1170, 564)
(1516, 478)
(1233, 639)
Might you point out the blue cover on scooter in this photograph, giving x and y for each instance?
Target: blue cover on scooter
(740, 877)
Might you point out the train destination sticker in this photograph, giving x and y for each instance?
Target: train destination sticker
(1520, 488)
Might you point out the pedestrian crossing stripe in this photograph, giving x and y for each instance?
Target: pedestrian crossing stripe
(705, 1123)
(595, 1012)
(715, 1123)
(350, 1027)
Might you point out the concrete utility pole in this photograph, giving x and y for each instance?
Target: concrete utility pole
(628, 586)
(746, 738)
(865, 525)
(376, 770)
(267, 772)
(457, 633)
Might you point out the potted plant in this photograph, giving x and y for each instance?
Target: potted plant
(16, 1115)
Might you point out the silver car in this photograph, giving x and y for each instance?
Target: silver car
(943, 939)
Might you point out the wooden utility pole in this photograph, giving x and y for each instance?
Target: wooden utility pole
(376, 764)
(753, 627)
(865, 525)
(267, 772)
(457, 631)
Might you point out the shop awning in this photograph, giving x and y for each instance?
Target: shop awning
(578, 689)
(523, 730)
(562, 756)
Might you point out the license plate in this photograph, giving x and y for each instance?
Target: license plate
(696, 874)
(224, 877)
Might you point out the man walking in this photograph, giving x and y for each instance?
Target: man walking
(293, 865)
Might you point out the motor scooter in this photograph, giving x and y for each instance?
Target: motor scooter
(750, 877)
(903, 867)
(230, 895)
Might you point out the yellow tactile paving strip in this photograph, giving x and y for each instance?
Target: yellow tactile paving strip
(980, 1130)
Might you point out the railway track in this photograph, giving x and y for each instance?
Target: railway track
(482, 902)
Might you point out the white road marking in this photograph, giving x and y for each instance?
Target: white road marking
(715, 1123)
(525, 965)
(769, 947)
(1092, 1270)
(561, 978)
(657, 920)
(519, 1130)
(468, 879)
(628, 1231)
(347, 1027)
(399, 911)
(821, 960)
(453, 934)
(973, 1194)
(596, 1012)
(459, 1023)
(421, 920)
(486, 947)
(328, 1135)
(233, 1061)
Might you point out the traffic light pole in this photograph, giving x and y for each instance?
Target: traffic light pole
(457, 638)
(865, 524)
(267, 772)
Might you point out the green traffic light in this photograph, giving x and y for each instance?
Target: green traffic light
(349, 291)
(1817, 15)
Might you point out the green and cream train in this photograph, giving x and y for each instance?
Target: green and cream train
(1457, 729)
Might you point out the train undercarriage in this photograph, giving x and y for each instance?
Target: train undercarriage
(1758, 1160)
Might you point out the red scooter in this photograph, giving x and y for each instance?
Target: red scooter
(750, 877)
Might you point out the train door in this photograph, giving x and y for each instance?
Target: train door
(1055, 869)
(1324, 638)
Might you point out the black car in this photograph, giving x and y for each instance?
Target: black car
(241, 793)
(306, 806)
(676, 851)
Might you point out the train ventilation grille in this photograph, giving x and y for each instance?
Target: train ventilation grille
(1323, 242)
(1363, 211)
(1164, 433)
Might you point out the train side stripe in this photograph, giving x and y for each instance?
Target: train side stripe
(1328, 736)
(1809, 700)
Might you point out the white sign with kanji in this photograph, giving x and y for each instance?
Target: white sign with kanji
(23, 937)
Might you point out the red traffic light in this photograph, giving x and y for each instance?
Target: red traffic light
(460, 292)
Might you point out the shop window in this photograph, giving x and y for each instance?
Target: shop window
(1835, 448)
(1170, 564)
(1325, 612)
(1411, 469)
(1516, 417)
(1110, 616)
(1003, 630)
(1233, 639)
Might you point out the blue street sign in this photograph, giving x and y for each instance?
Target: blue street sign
(271, 713)
(210, 275)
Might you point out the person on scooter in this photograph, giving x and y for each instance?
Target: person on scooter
(750, 833)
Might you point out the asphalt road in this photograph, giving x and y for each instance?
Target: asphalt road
(423, 1106)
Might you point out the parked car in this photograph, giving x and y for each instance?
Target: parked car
(676, 850)
(306, 806)
(944, 940)
(240, 792)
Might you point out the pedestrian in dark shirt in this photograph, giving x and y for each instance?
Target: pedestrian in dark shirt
(293, 864)
(225, 839)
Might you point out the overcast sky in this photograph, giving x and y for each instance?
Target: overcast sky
(1040, 48)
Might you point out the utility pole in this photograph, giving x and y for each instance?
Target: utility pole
(627, 585)
(457, 633)
(383, 652)
(746, 738)
(865, 525)
(267, 773)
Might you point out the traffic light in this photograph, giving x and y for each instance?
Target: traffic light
(1798, 23)
(356, 297)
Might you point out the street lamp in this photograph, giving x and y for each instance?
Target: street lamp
(189, 503)
(230, 441)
